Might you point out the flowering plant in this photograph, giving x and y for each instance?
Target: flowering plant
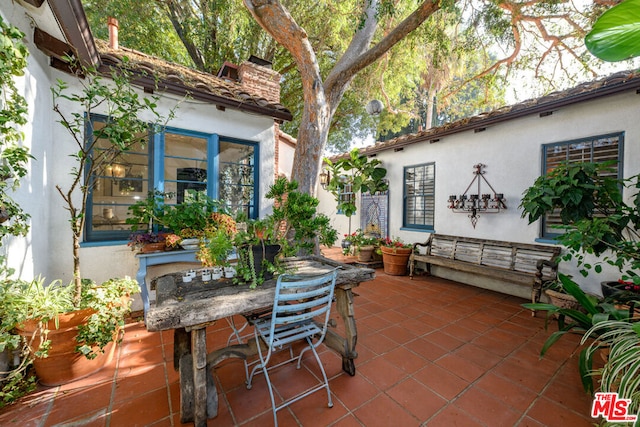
(359, 239)
(140, 238)
(628, 285)
(395, 243)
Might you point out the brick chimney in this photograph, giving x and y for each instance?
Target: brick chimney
(112, 24)
(257, 77)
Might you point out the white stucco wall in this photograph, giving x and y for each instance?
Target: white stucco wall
(26, 255)
(511, 152)
(47, 249)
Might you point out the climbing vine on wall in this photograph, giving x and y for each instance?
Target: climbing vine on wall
(13, 114)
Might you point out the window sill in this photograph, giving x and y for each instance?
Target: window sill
(419, 230)
(106, 243)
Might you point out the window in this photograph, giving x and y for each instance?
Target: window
(419, 196)
(346, 195)
(595, 149)
(183, 163)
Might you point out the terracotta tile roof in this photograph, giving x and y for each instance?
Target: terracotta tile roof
(200, 85)
(615, 83)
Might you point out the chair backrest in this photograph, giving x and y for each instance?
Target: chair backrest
(300, 298)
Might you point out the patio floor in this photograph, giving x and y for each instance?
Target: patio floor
(431, 352)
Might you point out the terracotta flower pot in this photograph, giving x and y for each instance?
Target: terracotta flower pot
(365, 253)
(395, 260)
(63, 364)
(153, 247)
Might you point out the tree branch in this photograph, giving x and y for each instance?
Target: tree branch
(340, 77)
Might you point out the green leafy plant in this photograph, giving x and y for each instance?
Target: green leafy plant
(294, 227)
(615, 36)
(596, 220)
(24, 301)
(592, 310)
(144, 213)
(195, 214)
(295, 223)
(353, 174)
(13, 114)
(621, 372)
(120, 102)
(215, 249)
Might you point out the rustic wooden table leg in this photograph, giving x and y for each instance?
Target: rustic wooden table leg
(181, 346)
(198, 393)
(344, 305)
(199, 353)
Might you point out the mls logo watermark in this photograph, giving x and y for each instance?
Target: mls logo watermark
(612, 408)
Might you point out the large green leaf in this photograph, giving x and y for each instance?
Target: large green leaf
(616, 34)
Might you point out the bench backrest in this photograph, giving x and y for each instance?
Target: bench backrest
(513, 256)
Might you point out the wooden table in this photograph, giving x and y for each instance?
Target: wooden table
(188, 308)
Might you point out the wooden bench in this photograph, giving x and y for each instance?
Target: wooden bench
(517, 269)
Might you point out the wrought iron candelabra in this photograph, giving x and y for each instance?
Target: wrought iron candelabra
(473, 204)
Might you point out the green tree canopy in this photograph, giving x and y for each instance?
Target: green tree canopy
(461, 56)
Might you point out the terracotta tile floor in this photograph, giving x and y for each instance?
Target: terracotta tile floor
(431, 352)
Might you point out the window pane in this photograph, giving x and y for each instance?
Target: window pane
(598, 149)
(185, 167)
(419, 192)
(120, 181)
(237, 177)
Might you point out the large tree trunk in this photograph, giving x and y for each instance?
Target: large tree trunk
(322, 99)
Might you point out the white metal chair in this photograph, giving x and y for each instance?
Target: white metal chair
(301, 311)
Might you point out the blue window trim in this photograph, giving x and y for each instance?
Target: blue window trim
(156, 146)
(550, 237)
(405, 224)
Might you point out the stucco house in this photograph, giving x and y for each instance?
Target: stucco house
(596, 120)
(227, 126)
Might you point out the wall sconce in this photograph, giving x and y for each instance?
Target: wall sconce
(325, 178)
(472, 204)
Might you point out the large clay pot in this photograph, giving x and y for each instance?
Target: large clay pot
(63, 364)
(395, 260)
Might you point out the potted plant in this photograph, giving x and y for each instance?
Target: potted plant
(217, 243)
(258, 252)
(147, 241)
(620, 341)
(364, 245)
(293, 228)
(66, 341)
(590, 310)
(395, 256)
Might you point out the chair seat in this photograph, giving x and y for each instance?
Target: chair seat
(286, 334)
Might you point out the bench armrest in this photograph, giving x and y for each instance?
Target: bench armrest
(536, 289)
(542, 263)
(425, 244)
